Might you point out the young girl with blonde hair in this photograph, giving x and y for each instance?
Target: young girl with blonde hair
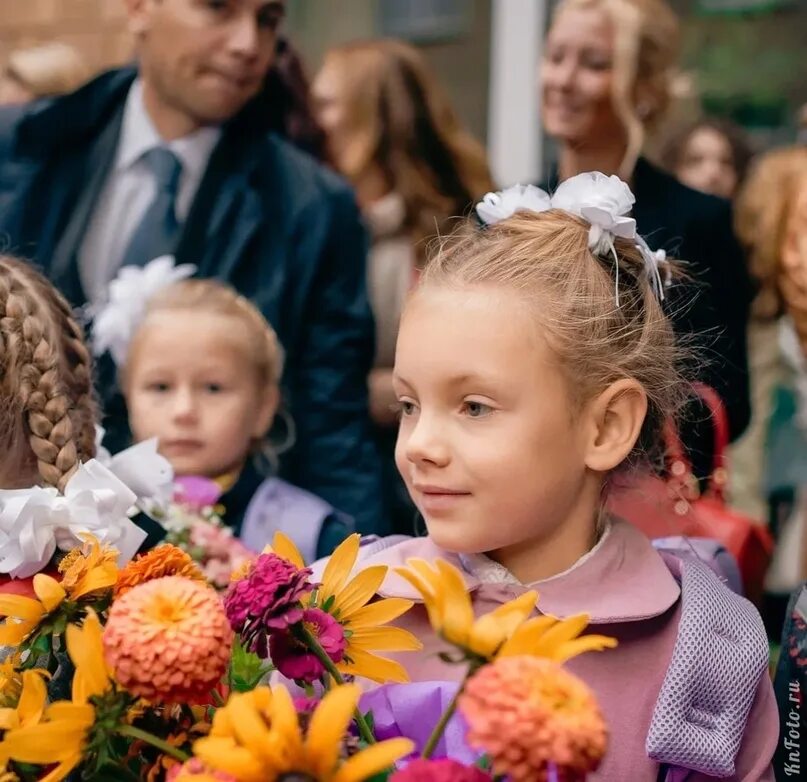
(534, 366)
(200, 369)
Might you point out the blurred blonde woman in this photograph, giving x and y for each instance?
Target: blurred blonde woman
(606, 81)
(42, 71)
(393, 133)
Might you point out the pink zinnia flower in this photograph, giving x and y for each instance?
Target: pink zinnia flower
(266, 600)
(443, 770)
(196, 491)
(294, 660)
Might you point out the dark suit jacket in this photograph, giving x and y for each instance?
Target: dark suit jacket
(267, 219)
(711, 307)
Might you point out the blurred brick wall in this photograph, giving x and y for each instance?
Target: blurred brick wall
(95, 27)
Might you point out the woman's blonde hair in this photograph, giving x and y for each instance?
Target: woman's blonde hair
(47, 408)
(211, 296)
(762, 209)
(646, 49)
(404, 126)
(49, 69)
(545, 259)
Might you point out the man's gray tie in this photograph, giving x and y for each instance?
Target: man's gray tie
(158, 231)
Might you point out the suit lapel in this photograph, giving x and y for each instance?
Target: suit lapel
(91, 171)
(226, 212)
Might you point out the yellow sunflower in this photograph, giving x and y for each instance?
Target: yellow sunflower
(10, 679)
(256, 737)
(61, 737)
(350, 601)
(90, 568)
(24, 614)
(85, 571)
(503, 632)
(31, 704)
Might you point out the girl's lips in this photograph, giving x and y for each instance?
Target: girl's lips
(434, 499)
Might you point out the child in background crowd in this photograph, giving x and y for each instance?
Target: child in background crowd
(200, 369)
(534, 363)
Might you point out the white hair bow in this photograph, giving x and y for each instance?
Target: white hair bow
(148, 474)
(116, 321)
(35, 522)
(603, 201)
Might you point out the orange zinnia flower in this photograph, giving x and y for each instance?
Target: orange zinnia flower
(168, 640)
(529, 714)
(159, 562)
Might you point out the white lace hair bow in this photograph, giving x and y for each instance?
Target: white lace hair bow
(97, 500)
(603, 201)
(115, 322)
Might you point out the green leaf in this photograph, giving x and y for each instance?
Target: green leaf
(246, 669)
(59, 624)
(42, 645)
(328, 604)
(369, 718)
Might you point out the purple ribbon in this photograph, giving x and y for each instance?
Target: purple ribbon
(412, 711)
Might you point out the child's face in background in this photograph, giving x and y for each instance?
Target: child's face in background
(490, 446)
(190, 382)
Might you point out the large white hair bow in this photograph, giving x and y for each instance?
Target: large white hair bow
(602, 201)
(35, 522)
(116, 321)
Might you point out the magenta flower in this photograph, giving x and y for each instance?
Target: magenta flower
(266, 600)
(196, 492)
(443, 770)
(295, 660)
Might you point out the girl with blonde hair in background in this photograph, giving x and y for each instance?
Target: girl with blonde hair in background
(606, 79)
(42, 71)
(200, 369)
(393, 133)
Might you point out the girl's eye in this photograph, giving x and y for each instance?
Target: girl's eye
(214, 388)
(158, 387)
(477, 409)
(406, 408)
(596, 62)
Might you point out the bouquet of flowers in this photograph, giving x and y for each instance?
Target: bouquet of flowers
(146, 672)
(193, 523)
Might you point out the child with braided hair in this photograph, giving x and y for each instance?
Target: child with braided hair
(47, 411)
(47, 437)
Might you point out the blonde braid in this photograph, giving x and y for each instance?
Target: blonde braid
(77, 375)
(32, 357)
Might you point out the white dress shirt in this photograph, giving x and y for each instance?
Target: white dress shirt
(130, 188)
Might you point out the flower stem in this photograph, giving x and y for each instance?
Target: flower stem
(440, 727)
(314, 645)
(136, 733)
(219, 701)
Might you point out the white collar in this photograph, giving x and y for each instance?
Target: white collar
(488, 571)
(138, 135)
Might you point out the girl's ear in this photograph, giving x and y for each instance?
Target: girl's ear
(615, 419)
(265, 413)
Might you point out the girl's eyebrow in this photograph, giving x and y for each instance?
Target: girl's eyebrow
(464, 378)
